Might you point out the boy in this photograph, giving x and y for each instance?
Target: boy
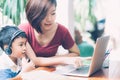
(13, 43)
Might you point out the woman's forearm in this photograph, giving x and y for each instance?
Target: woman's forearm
(51, 61)
(67, 55)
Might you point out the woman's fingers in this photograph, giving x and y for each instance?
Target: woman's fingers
(78, 62)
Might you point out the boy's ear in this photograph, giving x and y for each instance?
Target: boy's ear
(8, 50)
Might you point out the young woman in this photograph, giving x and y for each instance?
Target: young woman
(14, 61)
(45, 35)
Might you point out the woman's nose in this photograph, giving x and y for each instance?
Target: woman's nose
(48, 18)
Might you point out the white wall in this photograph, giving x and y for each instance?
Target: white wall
(110, 10)
(65, 14)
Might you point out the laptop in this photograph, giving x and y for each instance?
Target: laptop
(95, 64)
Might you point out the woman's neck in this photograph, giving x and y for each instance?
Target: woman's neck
(45, 37)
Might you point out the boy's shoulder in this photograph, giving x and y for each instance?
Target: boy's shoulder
(5, 61)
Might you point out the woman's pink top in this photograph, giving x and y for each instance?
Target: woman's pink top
(61, 37)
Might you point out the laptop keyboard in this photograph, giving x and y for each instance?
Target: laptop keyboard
(82, 70)
(71, 69)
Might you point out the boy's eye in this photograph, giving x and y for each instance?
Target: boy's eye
(21, 44)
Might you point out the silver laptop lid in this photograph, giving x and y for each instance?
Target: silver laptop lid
(98, 55)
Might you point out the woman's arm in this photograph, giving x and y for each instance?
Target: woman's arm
(41, 61)
(51, 61)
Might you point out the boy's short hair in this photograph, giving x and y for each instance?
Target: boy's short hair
(8, 34)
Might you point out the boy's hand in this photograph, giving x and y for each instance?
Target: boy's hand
(27, 66)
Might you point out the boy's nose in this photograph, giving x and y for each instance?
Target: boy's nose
(24, 48)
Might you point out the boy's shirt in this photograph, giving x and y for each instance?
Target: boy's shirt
(7, 63)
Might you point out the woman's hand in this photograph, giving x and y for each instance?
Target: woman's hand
(75, 61)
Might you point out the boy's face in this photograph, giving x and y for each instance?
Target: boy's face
(18, 47)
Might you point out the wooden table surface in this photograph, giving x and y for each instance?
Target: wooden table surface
(100, 75)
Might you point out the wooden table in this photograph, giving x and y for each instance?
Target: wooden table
(100, 75)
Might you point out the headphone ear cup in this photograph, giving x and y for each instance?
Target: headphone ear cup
(8, 51)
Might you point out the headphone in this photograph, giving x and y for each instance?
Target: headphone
(8, 50)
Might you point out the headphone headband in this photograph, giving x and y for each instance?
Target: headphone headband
(15, 34)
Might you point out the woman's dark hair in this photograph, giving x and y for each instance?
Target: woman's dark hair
(36, 11)
(7, 33)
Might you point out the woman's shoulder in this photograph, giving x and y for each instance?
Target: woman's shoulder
(62, 28)
(7, 63)
(24, 25)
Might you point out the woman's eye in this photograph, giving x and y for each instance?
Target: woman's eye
(53, 13)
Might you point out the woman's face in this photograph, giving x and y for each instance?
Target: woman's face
(49, 21)
(19, 47)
